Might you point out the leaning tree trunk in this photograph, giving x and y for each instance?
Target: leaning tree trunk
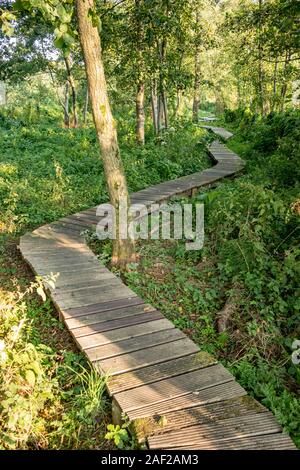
(140, 114)
(123, 249)
(73, 90)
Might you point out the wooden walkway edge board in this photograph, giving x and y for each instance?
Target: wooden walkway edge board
(174, 395)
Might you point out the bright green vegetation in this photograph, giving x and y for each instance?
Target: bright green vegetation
(49, 397)
(47, 172)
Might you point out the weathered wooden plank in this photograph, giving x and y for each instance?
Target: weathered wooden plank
(73, 300)
(108, 316)
(44, 270)
(61, 226)
(237, 427)
(87, 277)
(217, 393)
(45, 244)
(74, 224)
(122, 334)
(219, 131)
(268, 442)
(67, 229)
(63, 261)
(94, 291)
(63, 238)
(86, 217)
(67, 271)
(198, 415)
(171, 368)
(173, 387)
(138, 359)
(140, 344)
(99, 307)
(103, 283)
(52, 232)
(117, 323)
(47, 248)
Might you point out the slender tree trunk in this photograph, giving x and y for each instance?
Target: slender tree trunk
(261, 75)
(239, 97)
(196, 100)
(197, 65)
(123, 249)
(284, 87)
(165, 108)
(140, 114)
(274, 98)
(73, 90)
(160, 112)
(154, 106)
(261, 91)
(140, 95)
(86, 105)
(66, 106)
(220, 103)
(178, 103)
(162, 101)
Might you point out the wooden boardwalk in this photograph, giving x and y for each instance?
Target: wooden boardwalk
(220, 131)
(175, 396)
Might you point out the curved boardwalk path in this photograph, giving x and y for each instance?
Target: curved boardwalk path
(175, 396)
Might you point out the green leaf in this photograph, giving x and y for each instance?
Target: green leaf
(63, 28)
(30, 377)
(41, 293)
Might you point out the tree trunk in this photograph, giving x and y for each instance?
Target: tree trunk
(196, 101)
(123, 249)
(140, 114)
(86, 106)
(261, 77)
(140, 95)
(162, 102)
(165, 108)
(178, 103)
(284, 86)
(154, 106)
(197, 65)
(66, 107)
(274, 98)
(73, 90)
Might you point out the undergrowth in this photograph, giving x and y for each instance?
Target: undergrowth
(49, 396)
